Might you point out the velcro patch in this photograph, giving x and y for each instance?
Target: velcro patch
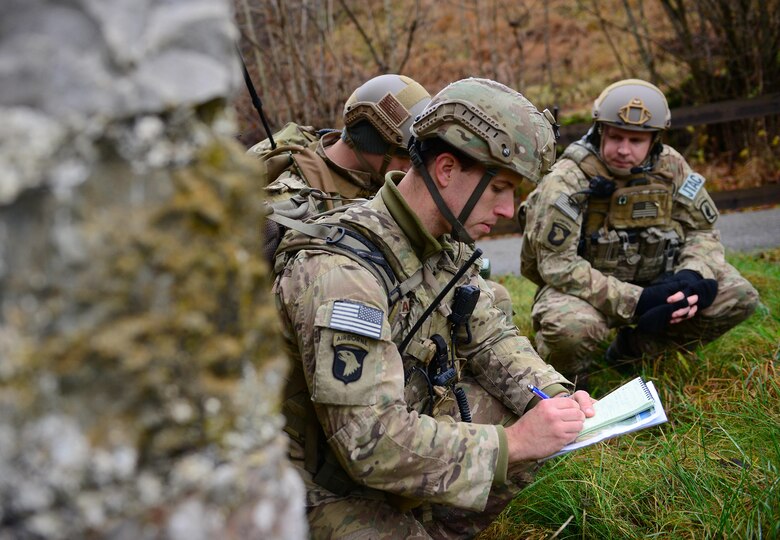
(567, 206)
(708, 210)
(644, 209)
(558, 234)
(348, 363)
(690, 188)
(393, 108)
(357, 318)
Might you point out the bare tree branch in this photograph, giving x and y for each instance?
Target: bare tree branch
(410, 36)
(547, 54)
(493, 37)
(388, 48)
(250, 30)
(517, 23)
(644, 53)
(380, 64)
(603, 24)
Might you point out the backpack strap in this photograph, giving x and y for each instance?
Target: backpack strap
(315, 171)
(346, 241)
(309, 165)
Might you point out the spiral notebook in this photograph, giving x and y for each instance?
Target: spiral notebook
(628, 400)
(629, 397)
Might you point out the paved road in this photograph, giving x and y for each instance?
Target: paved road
(741, 231)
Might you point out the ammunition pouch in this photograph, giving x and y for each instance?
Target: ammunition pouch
(630, 235)
(634, 256)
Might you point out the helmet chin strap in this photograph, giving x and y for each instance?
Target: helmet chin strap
(458, 232)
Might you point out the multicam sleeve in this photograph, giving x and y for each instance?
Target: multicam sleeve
(339, 315)
(503, 361)
(703, 252)
(696, 214)
(553, 232)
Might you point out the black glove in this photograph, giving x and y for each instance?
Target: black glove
(694, 283)
(706, 289)
(689, 277)
(655, 296)
(656, 320)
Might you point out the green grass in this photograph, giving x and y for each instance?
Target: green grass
(712, 471)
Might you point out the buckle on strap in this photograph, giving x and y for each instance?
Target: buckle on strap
(336, 235)
(394, 295)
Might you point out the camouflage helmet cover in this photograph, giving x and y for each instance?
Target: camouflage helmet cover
(493, 124)
(389, 103)
(633, 104)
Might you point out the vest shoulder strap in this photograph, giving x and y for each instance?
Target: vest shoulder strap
(314, 170)
(586, 160)
(338, 238)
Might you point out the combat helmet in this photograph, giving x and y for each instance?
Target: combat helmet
(378, 115)
(634, 105)
(492, 124)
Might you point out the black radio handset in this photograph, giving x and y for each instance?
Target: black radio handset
(466, 298)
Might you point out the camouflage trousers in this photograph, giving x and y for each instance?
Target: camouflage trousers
(570, 333)
(374, 515)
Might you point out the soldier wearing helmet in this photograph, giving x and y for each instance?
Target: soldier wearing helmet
(386, 381)
(621, 235)
(351, 163)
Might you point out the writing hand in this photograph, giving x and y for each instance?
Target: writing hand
(585, 402)
(545, 429)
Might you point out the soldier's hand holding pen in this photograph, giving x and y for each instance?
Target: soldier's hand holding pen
(548, 426)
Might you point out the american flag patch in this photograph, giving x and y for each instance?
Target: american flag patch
(644, 209)
(564, 204)
(357, 318)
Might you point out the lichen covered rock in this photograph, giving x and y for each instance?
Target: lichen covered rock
(141, 370)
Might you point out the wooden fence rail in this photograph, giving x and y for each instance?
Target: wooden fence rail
(711, 113)
(737, 199)
(682, 117)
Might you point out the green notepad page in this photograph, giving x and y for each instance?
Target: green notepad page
(623, 402)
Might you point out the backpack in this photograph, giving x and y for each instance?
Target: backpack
(324, 235)
(291, 134)
(294, 149)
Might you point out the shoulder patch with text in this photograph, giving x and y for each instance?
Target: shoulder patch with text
(357, 318)
(690, 188)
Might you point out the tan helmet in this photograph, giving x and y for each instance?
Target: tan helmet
(633, 104)
(493, 124)
(389, 103)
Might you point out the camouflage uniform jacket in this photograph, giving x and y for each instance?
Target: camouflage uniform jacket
(340, 183)
(370, 414)
(553, 229)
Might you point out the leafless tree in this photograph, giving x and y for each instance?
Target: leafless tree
(307, 56)
(301, 74)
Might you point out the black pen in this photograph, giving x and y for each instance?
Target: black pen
(538, 392)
